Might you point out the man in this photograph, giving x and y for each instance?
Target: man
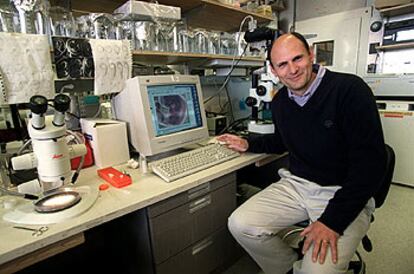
(329, 124)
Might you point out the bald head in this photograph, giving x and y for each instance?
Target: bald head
(291, 60)
(286, 38)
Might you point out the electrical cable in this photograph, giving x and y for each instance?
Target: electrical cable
(24, 146)
(229, 103)
(227, 78)
(73, 115)
(293, 27)
(15, 193)
(233, 63)
(79, 138)
(236, 122)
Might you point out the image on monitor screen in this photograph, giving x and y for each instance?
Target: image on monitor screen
(174, 108)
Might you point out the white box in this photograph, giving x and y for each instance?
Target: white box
(143, 11)
(108, 139)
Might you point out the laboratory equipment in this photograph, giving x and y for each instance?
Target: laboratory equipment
(263, 84)
(51, 155)
(377, 47)
(162, 112)
(186, 163)
(57, 201)
(397, 119)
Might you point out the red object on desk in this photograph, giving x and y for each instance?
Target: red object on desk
(74, 163)
(114, 177)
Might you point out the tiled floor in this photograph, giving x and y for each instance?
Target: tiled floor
(392, 235)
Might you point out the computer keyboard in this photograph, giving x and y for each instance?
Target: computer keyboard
(184, 164)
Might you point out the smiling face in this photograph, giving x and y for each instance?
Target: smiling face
(292, 63)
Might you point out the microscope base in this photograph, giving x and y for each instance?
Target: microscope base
(260, 128)
(26, 214)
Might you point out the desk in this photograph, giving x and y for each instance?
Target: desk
(146, 190)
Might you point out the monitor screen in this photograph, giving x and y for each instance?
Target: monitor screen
(174, 108)
(163, 112)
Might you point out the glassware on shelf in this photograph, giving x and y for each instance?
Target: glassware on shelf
(124, 28)
(62, 22)
(201, 42)
(214, 42)
(102, 26)
(227, 44)
(8, 17)
(175, 36)
(33, 16)
(164, 36)
(83, 26)
(183, 41)
(145, 35)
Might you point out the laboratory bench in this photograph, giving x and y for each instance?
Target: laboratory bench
(168, 225)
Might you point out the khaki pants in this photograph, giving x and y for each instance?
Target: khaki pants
(291, 200)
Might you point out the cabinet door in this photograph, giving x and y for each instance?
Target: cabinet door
(204, 256)
(181, 227)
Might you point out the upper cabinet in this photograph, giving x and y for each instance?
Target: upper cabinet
(208, 14)
(391, 8)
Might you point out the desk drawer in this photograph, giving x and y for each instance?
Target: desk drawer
(204, 256)
(181, 227)
(189, 195)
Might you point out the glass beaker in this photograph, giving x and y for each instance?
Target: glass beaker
(164, 36)
(227, 44)
(62, 22)
(183, 41)
(33, 16)
(103, 26)
(145, 35)
(214, 42)
(175, 36)
(8, 17)
(201, 42)
(83, 26)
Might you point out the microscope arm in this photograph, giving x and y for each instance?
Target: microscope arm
(25, 161)
(77, 150)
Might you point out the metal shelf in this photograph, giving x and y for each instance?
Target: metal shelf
(398, 10)
(395, 47)
(174, 58)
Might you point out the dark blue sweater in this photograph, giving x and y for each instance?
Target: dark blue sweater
(334, 139)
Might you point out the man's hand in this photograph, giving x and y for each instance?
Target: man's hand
(322, 237)
(234, 142)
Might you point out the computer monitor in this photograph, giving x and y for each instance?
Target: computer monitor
(162, 112)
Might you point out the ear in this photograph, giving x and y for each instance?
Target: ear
(272, 69)
(312, 54)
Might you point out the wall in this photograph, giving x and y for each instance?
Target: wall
(306, 9)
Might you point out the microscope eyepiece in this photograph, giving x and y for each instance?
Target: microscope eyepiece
(61, 103)
(38, 104)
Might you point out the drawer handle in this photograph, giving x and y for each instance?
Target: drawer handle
(200, 203)
(198, 191)
(202, 245)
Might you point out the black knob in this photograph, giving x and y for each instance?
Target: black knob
(261, 90)
(61, 102)
(38, 104)
(251, 101)
(376, 26)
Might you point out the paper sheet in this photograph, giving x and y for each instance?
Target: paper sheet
(26, 67)
(113, 64)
